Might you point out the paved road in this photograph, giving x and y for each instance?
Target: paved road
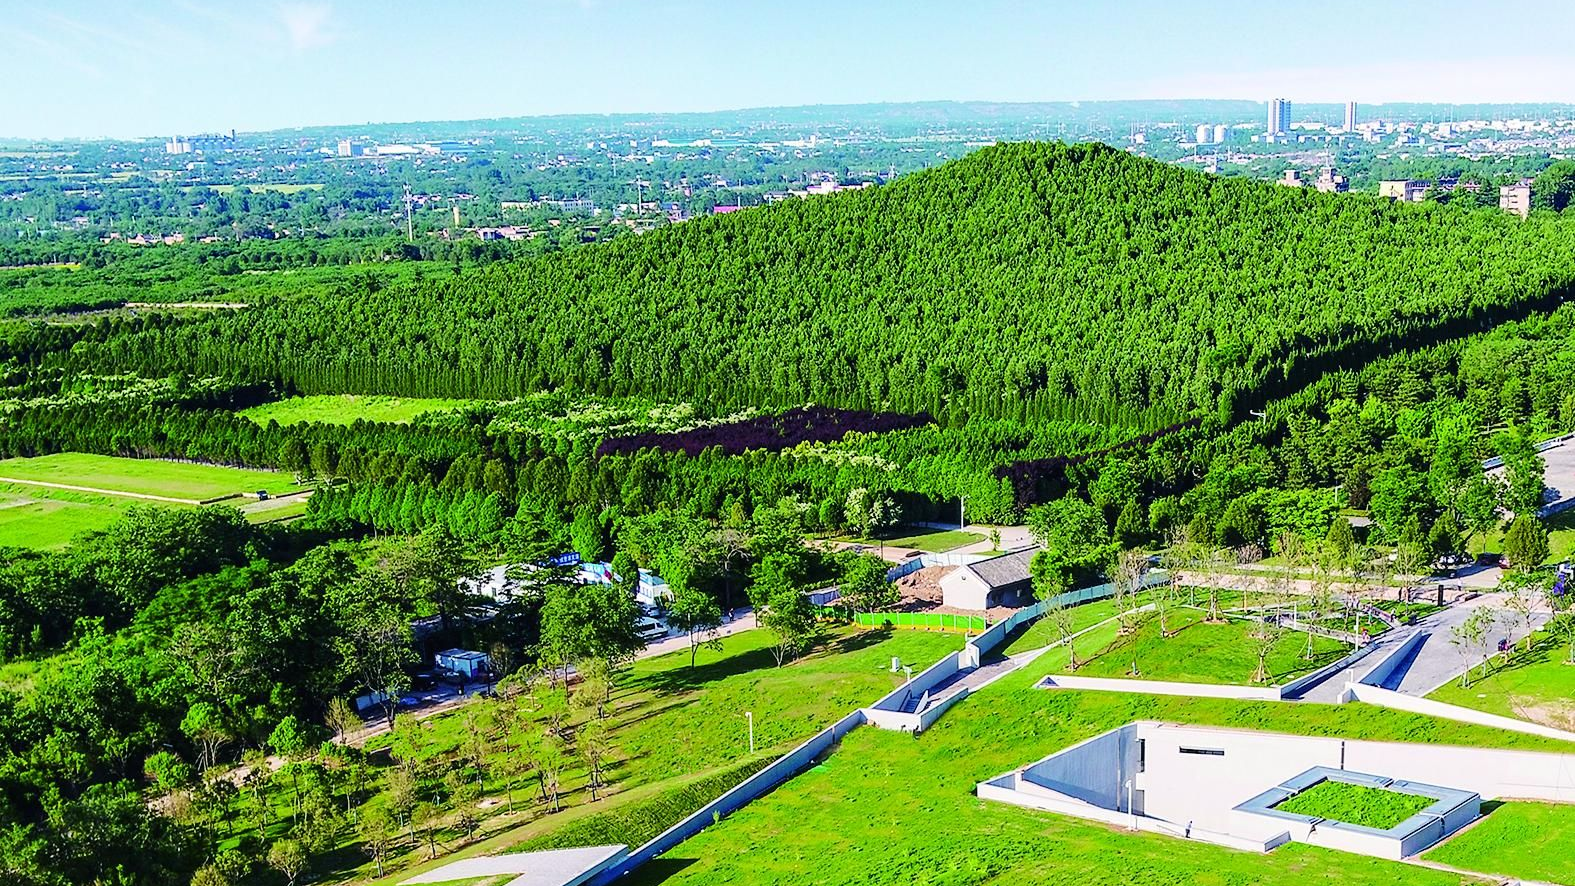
(1432, 664)
(142, 495)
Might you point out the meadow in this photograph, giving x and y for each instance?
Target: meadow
(1196, 652)
(187, 482)
(1516, 839)
(1536, 685)
(678, 736)
(48, 519)
(888, 808)
(344, 409)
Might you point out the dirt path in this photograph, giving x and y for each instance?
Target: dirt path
(142, 495)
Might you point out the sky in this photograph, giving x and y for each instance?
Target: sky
(137, 68)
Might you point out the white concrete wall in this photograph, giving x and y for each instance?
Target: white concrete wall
(1161, 687)
(922, 682)
(1203, 789)
(965, 590)
(1385, 667)
(1094, 771)
(1293, 688)
(1390, 699)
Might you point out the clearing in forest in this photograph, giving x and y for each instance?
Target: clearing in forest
(344, 409)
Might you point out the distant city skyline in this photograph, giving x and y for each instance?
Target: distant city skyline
(90, 68)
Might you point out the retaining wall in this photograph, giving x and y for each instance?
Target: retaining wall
(786, 767)
(1294, 688)
(1385, 667)
(1162, 687)
(1390, 699)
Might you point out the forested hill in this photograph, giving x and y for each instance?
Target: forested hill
(1026, 279)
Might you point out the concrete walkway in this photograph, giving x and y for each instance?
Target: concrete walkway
(1432, 664)
(145, 496)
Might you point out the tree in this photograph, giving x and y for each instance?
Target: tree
(1049, 576)
(697, 615)
(1130, 568)
(1522, 602)
(1468, 637)
(438, 567)
(1061, 620)
(375, 646)
(1526, 543)
(594, 743)
(289, 858)
(1554, 187)
(1339, 543)
(589, 534)
(791, 618)
(341, 717)
(1265, 635)
(204, 724)
(377, 830)
(864, 587)
(856, 511)
(1524, 483)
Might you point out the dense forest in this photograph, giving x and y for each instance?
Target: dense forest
(1024, 281)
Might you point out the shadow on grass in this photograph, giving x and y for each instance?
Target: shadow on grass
(680, 679)
(660, 870)
(1491, 806)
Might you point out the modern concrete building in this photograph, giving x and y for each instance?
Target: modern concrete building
(1221, 133)
(1350, 116)
(1279, 117)
(1221, 785)
(1204, 134)
(1516, 198)
(1291, 179)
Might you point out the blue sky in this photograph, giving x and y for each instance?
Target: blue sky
(155, 67)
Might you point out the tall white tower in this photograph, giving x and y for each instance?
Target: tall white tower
(1350, 116)
(1279, 116)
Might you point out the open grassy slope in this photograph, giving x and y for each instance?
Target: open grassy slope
(887, 808)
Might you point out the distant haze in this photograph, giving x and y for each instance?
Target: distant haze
(83, 68)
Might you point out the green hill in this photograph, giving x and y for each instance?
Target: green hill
(1023, 281)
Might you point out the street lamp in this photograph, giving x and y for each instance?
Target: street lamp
(750, 716)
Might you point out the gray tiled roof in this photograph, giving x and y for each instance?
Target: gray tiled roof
(1007, 569)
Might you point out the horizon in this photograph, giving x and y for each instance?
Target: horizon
(107, 70)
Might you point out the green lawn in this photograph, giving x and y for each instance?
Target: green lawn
(48, 519)
(1039, 633)
(936, 542)
(344, 409)
(1356, 804)
(1198, 652)
(1517, 839)
(674, 731)
(143, 476)
(888, 808)
(1537, 685)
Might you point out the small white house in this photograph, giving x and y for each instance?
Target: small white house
(464, 661)
(996, 581)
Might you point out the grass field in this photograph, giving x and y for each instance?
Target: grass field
(47, 519)
(1039, 633)
(133, 476)
(1537, 685)
(1356, 804)
(344, 409)
(888, 808)
(672, 729)
(1198, 652)
(934, 542)
(1517, 839)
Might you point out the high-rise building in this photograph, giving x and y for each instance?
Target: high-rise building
(1221, 133)
(1203, 134)
(1350, 116)
(1279, 116)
